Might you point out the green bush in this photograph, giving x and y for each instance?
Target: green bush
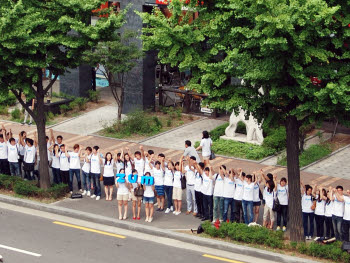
(25, 189)
(73, 105)
(64, 108)
(168, 122)
(81, 103)
(218, 131)
(58, 190)
(276, 139)
(16, 114)
(49, 115)
(4, 110)
(94, 96)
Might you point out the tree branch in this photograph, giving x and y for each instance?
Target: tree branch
(52, 81)
(20, 100)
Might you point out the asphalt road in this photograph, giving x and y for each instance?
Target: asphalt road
(32, 236)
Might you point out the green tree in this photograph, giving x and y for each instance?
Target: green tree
(293, 56)
(46, 34)
(118, 56)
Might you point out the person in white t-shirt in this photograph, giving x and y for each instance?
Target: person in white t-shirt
(64, 164)
(158, 174)
(55, 163)
(74, 166)
(86, 177)
(189, 171)
(270, 195)
(205, 145)
(308, 206)
(256, 198)
(338, 211)
(321, 198)
(29, 160)
(95, 171)
(207, 191)
(328, 214)
(168, 185)
(148, 199)
(122, 194)
(228, 194)
(218, 199)
(108, 175)
(136, 200)
(119, 163)
(282, 195)
(198, 189)
(346, 218)
(139, 162)
(247, 198)
(239, 179)
(177, 187)
(13, 156)
(4, 164)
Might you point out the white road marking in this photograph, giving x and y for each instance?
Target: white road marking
(21, 251)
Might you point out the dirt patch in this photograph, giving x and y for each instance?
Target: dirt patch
(338, 141)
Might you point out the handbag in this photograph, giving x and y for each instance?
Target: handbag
(138, 191)
(276, 205)
(212, 155)
(183, 182)
(101, 178)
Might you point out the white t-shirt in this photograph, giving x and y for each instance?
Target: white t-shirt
(190, 175)
(122, 189)
(346, 208)
(206, 147)
(128, 168)
(55, 161)
(158, 176)
(12, 153)
(219, 186)
(86, 165)
(282, 194)
(248, 191)
(320, 207)
(74, 162)
(269, 197)
(198, 182)
(120, 165)
(229, 187)
(64, 162)
(256, 197)
(338, 207)
(147, 167)
(95, 164)
(169, 177)
(306, 203)
(239, 189)
(22, 149)
(29, 155)
(3, 150)
(48, 145)
(177, 179)
(139, 166)
(207, 185)
(149, 191)
(108, 169)
(329, 209)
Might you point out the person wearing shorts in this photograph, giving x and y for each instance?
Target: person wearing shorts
(148, 199)
(122, 194)
(136, 200)
(108, 176)
(270, 194)
(177, 189)
(158, 173)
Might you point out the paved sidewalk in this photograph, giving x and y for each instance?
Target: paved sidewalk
(176, 138)
(90, 122)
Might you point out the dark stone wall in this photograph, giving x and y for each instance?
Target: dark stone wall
(76, 82)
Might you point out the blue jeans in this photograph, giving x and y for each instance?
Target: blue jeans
(248, 211)
(14, 169)
(73, 172)
(56, 175)
(229, 202)
(306, 218)
(96, 182)
(169, 195)
(337, 225)
(86, 181)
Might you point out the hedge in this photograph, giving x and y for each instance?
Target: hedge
(274, 239)
(30, 189)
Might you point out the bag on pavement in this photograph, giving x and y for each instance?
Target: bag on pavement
(76, 195)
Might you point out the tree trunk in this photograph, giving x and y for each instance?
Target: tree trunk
(121, 102)
(40, 124)
(295, 219)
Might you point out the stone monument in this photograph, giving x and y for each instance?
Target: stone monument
(254, 131)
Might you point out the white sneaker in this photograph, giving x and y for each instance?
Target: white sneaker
(171, 208)
(278, 228)
(146, 220)
(316, 238)
(71, 192)
(98, 198)
(84, 193)
(93, 196)
(174, 212)
(150, 219)
(81, 190)
(167, 211)
(177, 213)
(88, 193)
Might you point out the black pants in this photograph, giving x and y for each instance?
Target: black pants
(4, 167)
(208, 207)
(199, 202)
(282, 213)
(319, 225)
(345, 230)
(238, 211)
(64, 176)
(329, 226)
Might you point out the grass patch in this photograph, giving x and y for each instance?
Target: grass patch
(313, 153)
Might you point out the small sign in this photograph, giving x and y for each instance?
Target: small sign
(207, 110)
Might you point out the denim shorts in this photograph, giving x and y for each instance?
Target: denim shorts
(149, 200)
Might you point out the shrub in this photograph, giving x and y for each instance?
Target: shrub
(4, 110)
(276, 139)
(49, 115)
(16, 114)
(168, 122)
(94, 95)
(25, 189)
(218, 131)
(58, 190)
(81, 103)
(64, 108)
(73, 105)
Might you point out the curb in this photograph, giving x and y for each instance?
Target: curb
(151, 230)
(111, 138)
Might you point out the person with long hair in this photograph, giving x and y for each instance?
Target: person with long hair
(168, 185)
(328, 214)
(282, 195)
(136, 200)
(205, 145)
(122, 194)
(108, 176)
(321, 198)
(95, 172)
(256, 197)
(148, 199)
(269, 194)
(177, 187)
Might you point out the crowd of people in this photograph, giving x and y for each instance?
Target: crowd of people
(219, 195)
